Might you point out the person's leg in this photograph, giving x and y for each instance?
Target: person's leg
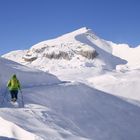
(12, 94)
(15, 94)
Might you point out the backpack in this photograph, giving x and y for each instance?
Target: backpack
(14, 84)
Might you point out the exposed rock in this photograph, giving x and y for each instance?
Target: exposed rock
(63, 51)
(39, 50)
(90, 54)
(59, 55)
(29, 58)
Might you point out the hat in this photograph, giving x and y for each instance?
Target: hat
(14, 75)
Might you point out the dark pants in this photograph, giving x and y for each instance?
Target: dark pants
(14, 94)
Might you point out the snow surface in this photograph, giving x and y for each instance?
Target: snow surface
(77, 99)
(130, 54)
(10, 130)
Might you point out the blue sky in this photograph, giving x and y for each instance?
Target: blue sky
(24, 23)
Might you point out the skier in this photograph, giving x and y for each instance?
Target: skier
(13, 86)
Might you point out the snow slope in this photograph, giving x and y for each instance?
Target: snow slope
(34, 78)
(67, 110)
(96, 99)
(74, 111)
(124, 84)
(99, 116)
(9, 130)
(130, 54)
(26, 75)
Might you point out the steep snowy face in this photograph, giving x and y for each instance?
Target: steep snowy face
(64, 47)
(25, 74)
(72, 50)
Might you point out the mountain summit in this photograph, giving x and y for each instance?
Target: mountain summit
(80, 48)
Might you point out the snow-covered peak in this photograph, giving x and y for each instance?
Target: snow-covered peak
(79, 31)
(68, 37)
(76, 49)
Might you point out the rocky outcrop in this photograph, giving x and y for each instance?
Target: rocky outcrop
(59, 55)
(29, 58)
(39, 50)
(90, 54)
(63, 51)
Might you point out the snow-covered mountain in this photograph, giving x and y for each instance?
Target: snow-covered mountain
(88, 90)
(79, 48)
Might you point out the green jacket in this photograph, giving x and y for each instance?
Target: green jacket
(13, 84)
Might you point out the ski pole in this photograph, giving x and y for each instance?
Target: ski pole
(22, 98)
(4, 95)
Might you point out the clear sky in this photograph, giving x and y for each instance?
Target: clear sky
(24, 23)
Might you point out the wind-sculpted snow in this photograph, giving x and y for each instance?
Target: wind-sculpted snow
(10, 131)
(74, 110)
(6, 138)
(109, 61)
(124, 84)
